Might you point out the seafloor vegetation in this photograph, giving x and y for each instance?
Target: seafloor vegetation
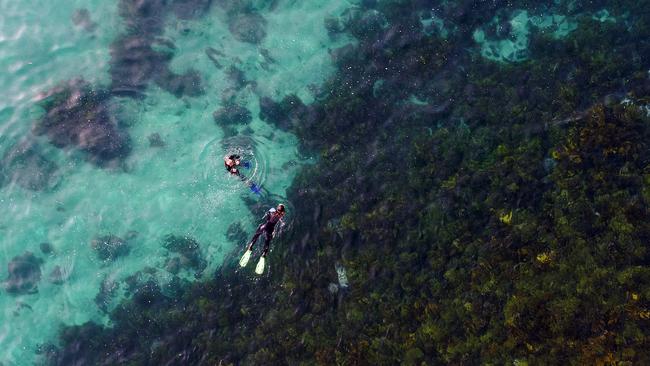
(483, 212)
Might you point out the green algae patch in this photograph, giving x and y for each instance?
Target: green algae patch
(514, 46)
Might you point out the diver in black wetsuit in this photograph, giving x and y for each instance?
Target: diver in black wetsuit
(271, 218)
(231, 163)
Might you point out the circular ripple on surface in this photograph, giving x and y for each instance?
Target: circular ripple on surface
(212, 163)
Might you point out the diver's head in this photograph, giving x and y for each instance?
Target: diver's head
(280, 209)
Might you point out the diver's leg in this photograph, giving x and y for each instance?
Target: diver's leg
(258, 232)
(267, 243)
(259, 269)
(249, 249)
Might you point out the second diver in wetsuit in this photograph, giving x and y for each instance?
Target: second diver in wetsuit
(271, 219)
(232, 162)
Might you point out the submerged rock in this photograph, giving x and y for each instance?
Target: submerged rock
(46, 248)
(78, 115)
(189, 254)
(81, 18)
(145, 17)
(148, 294)
(155, 140)
(333, 26)
(248, 27)
(110, 247)
(25, 165)
(134, 63)
(236, 77)
(173, 265)
(143, 288)
(344, 54)
(24, 274)
(283, 114)
(107, 291)
(232, 114)
(78, 353)
(188, 83)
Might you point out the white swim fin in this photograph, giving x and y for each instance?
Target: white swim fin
(244, 258)
(260, 266)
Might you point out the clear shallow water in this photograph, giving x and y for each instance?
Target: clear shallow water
(179, 188)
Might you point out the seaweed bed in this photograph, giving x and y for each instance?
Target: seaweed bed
(502, 220)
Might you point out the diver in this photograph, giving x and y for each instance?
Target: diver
(232, 163)
(268, 227)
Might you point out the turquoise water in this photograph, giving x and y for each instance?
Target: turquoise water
(179, 188)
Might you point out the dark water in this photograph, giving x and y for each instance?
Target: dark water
(466, 183)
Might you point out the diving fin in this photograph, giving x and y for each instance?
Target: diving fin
(244, 258)
(246, 164)
(255, 189)
(260, 266)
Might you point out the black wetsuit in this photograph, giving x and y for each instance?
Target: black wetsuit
(234, 166)
(270, 220)
(228, 167)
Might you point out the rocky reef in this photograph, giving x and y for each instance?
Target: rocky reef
(285, 114)
(24, 274)
(230, 116)
(82, 116)
(248, 27)
(78, 115)
(187, 255)
(110, 247)
(135, 62)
